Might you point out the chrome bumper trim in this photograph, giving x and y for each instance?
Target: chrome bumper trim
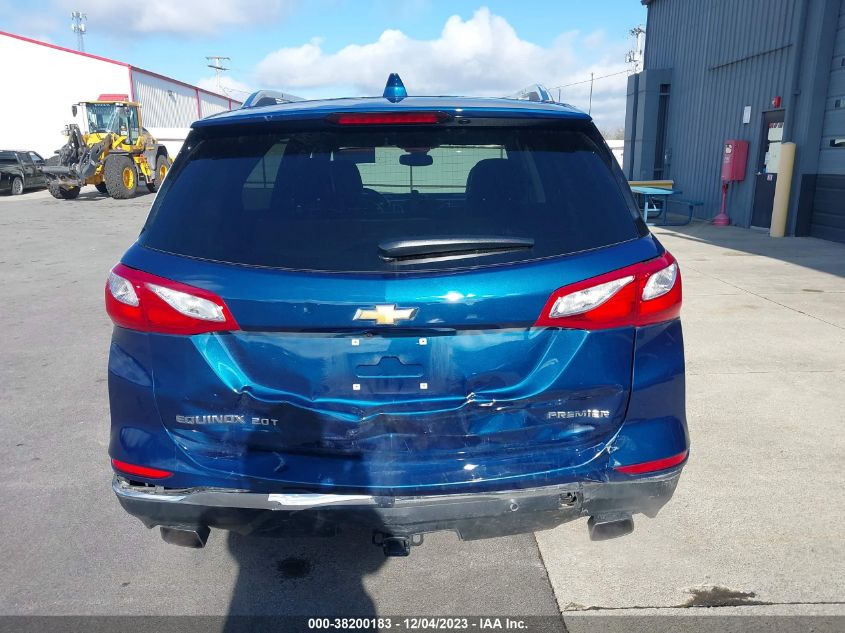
(224, 498)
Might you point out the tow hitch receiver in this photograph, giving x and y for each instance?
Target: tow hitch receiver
(393, 545)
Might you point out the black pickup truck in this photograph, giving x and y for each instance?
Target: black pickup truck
(20, 171)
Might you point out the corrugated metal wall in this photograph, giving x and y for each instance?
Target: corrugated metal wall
(164, 103)
(171, 104)
(725, 54)
(828, 216)
(212, 104)
(832, 158)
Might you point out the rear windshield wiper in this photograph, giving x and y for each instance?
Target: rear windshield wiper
(449, 246)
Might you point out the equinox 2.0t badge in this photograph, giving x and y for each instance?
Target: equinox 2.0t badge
(385, 314)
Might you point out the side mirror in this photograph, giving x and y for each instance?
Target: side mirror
(416, 160)
(74, 110)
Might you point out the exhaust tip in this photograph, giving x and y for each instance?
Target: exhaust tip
(602, 528)
(185, 537)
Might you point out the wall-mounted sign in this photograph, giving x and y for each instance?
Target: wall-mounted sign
(776, 131)
(746, 114)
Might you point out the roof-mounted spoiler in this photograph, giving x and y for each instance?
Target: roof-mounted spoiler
(269, 97)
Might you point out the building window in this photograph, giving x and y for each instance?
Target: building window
(660, 166)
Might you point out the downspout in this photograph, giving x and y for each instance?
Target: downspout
(634, 114)
(783, 186)
(795, 89)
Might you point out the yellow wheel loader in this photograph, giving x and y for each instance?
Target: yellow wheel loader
(109, 148)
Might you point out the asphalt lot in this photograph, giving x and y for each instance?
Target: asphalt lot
(757, 524)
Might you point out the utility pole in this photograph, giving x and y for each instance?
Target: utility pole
(217, 65)
(77, 24)
(636, 54)
(590, 108)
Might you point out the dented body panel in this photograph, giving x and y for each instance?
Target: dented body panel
(216, 423)
(453, 404)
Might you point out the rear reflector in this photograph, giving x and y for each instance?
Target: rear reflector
(642, 294)
(141, 301)
(388, 118)
(653, 466)
(140, 471)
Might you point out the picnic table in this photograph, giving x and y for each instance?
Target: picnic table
(655, 203)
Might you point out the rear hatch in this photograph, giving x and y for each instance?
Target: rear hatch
(386, 281)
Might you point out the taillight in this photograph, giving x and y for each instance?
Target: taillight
(653, 466)
(141, 471)
(642, 294)
(388, 118)
(141, 301)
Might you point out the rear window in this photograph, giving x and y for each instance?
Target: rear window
(335, 199)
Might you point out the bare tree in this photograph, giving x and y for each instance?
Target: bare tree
(613, 134)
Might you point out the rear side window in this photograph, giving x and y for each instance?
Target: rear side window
(330, 199)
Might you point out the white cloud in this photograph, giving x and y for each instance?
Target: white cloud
(228, 86)
(596, 39)
(482, 55)
(180, 17)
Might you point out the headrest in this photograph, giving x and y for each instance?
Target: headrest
(496, 180)
(346, 178)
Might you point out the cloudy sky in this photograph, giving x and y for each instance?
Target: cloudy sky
(318, 48)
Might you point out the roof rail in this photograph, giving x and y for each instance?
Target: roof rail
(269, 97)
(534, 92)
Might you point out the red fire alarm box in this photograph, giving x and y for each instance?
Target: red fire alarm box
(734, 158)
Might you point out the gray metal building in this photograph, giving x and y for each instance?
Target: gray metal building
(763, 71)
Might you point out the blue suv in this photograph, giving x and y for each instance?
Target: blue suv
(407, 313)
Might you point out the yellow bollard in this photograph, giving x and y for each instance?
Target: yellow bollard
(783, 186)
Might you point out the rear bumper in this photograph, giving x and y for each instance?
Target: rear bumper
(471, 516)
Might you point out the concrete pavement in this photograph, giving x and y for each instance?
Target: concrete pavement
(759, 514)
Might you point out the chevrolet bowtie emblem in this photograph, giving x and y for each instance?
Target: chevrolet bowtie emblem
(385, 314)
